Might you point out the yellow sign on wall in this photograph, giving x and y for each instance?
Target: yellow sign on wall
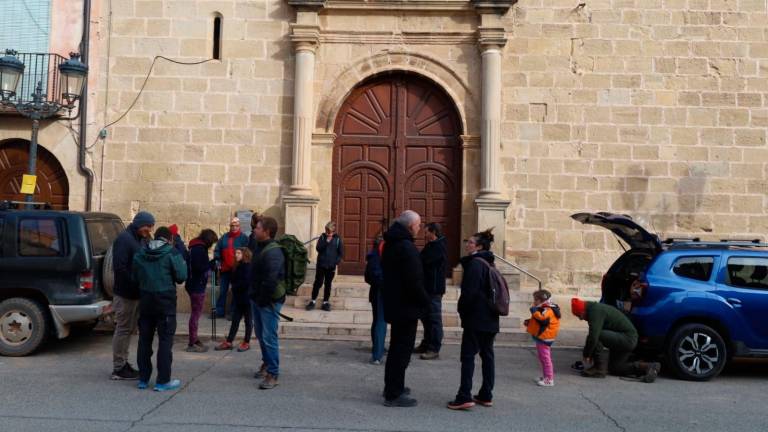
(28, 183)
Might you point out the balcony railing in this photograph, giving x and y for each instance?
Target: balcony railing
(39, 67)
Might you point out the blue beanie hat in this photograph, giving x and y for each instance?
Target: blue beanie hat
(143, 218)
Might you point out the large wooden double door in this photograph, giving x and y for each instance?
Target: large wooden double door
(397, 148)
(52, 185)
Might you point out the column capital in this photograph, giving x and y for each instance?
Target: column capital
(305, 37)
(493, 6)
(489, 38)
(313, 5)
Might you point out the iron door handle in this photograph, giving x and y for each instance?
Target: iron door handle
(734, 302)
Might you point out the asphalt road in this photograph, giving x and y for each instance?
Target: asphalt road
(329, 386)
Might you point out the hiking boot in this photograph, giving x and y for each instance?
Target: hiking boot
(326, 306)
(244, 346)
(170, 385)
(126, 373)
(460, 405)
(482, 402)
(406, 392)
(270, 382)
(651, 373)
(593, 372)
(401, 401)
(224, 346)
(430, 355)
(310, 305)
(421, 349)
(545, 382)
(262, 372)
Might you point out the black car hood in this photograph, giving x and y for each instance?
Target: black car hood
(624, 227)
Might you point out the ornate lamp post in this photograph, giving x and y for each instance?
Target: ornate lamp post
(72, 75)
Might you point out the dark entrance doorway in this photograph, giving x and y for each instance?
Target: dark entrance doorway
(52, 185)
(397, 147)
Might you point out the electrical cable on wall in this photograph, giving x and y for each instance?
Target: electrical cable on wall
(103, 130)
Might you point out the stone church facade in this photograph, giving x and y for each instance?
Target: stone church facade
(477, 114)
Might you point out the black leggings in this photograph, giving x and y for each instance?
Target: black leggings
(241, 310)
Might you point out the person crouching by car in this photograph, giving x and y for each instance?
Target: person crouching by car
(157, 268)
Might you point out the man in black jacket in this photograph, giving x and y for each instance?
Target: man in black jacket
(405, 301)
(126, 293)
(268, 294)
(434, 258)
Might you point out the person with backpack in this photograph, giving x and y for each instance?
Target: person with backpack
(543, 327)
(405, 301)
(268, 290)
(434, 258)
(374, 277)
(199, 268)
(157, 268)
(241, 280)
(330, 250)
(479, 320)
(610, 328)
(224, 254)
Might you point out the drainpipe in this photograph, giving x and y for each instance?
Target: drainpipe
(84, 170)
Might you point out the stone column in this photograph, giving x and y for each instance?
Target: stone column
(491, 202)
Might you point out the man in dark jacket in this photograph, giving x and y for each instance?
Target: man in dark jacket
(405, 301)
(268, 295)
(610, 328)
(330, 252)
(157, 268)
(479, 321)
(434, 258)
(125, 302)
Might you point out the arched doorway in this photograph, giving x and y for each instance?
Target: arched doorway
(52, 184)
(397, 147)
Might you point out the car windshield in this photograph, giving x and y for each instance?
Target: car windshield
(102, 233)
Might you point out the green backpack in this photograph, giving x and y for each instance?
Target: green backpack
(295, 264)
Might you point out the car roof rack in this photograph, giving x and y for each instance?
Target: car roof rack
(672, 240)
(722, 244)
(20, 205)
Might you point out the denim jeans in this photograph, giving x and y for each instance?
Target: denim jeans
(378, 328)
(221, 302)
(265, 323)
(433, 324)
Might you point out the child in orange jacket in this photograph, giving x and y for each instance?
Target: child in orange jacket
(543, 327)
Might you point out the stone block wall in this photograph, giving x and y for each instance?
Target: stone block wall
(657, 109)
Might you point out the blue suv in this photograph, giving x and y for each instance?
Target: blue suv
(695, 303)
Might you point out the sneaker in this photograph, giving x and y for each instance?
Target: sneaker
(544, 382)
(170, 385)
(375, 362)
(430, 355)
(406, 392)
(310, 305)
(142, 385)
(224, 346)
(244, 346)
(270, 382)
(460, 405)
(126, 373)
(482, 402)
(196, 348)
(652, 374)
(262, 372)
(201, 347)
(402, 401)
(326, 306)
(421, 349)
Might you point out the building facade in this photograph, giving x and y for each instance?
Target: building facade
(477, 114)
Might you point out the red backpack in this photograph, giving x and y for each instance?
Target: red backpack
(498, 290)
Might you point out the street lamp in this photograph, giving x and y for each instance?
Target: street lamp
(72, 74)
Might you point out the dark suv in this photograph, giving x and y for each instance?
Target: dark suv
(51, 267)
(695, 303)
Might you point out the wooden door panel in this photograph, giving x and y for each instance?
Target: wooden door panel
(52, 184)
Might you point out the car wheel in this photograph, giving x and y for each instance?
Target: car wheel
(108, 275)
(23, 327)
(696, 352)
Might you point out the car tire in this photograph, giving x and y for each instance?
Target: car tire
(23, 326)
(696, 352)
(108, 275)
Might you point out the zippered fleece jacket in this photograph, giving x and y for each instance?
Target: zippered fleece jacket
(157, 268)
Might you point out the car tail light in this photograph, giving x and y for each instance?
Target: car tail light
(86, 281)
(638, 289)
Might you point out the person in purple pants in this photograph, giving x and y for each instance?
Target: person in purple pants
(199, 269)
